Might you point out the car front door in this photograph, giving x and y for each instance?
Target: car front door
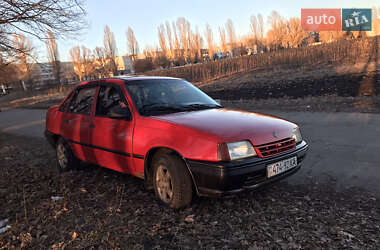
(112, 137)
(76, 122)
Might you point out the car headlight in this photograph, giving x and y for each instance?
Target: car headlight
(236, 150)
(297, 135)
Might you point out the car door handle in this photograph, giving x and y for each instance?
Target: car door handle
(92, 126)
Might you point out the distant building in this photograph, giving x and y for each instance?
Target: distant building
(125, 65)
(43, 74)
(68, 72)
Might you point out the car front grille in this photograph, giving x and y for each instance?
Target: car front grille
(277, 147)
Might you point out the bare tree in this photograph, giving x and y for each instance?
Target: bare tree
(133, 46)
(75, 54)
(82, 60)
(148, 52)
(210, 40)
(223, 41)
(177, 44)
(156, 57)
(257, 29)
(296, 35)
(162, 40)
(110, 50)
(35, 18)
(231, 34)
(254, 29)
(276, 36)
(24, 57)
(100, 61)
(87, 61)
(260, 27)
(53, 55)
(198, 43)
(184, 33)
(170, 41)
(196, 46)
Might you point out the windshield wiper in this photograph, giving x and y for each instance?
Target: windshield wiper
(159, 107)
(198, 106)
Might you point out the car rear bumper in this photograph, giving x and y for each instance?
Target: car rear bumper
(226, 178)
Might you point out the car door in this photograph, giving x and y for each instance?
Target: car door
(76, 122)
(112, 137)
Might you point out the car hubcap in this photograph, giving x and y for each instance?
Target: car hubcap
(164, 183)
(61, 155)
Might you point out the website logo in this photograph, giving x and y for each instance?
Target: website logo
(321, 19)
(336, 19)
(357, 19)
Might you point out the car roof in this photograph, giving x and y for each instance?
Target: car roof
(141, 77)
(128, 78)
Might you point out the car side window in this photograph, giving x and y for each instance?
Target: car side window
(64, 105)
(109, 98)
(82, 101)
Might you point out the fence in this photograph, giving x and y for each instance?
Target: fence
(344, 51)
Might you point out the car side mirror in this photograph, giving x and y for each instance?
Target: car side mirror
(120, 113)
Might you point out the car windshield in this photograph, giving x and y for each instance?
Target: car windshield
(163, 96)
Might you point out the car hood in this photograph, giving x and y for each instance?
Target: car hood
(233, 125)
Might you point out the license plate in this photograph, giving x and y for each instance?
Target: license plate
(281, 166)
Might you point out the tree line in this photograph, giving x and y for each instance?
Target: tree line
(179, 43)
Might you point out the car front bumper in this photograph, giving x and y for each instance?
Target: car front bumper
(227, 178)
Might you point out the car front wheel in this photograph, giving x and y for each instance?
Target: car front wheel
(172, 181)
(65, 157)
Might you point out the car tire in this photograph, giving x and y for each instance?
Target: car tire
(65, 157)
(171, 181)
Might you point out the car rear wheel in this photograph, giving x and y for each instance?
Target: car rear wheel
(65, 157)
(172, 181)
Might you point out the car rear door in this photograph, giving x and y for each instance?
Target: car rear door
(76, 121)
(112, 137)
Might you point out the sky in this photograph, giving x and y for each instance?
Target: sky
(145, 16)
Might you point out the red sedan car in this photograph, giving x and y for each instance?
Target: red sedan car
(175, 137)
